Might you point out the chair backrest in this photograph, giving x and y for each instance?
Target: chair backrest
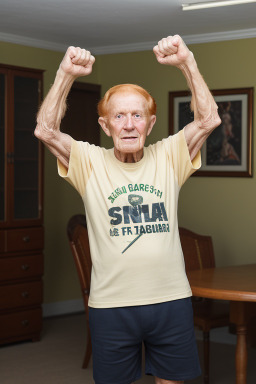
(197, 250)
(79, 243)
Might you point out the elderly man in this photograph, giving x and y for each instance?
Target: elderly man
(139, 289)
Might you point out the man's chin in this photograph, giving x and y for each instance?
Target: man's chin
(130, 147)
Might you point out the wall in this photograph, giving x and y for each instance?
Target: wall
(221, 207)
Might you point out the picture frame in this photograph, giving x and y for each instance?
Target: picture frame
(227, 152)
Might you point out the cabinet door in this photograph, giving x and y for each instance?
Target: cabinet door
(21, 154)
(2, 147)
(26, 148)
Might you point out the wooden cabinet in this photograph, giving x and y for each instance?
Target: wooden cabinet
(21, 205)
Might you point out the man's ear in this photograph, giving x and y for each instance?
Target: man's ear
(103, 123)
(151, 124)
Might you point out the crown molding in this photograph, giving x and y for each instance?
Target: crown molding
(221, 36)
(133, 47)
(30, 42)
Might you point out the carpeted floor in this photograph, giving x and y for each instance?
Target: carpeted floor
(57, 358)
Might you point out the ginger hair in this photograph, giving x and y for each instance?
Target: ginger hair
(122, 88)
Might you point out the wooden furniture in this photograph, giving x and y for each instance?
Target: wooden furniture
(238, 285)
(79, 243)
(21, 206)
(208, 314)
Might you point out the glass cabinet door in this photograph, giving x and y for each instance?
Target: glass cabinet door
(26, 148)
(2, 147)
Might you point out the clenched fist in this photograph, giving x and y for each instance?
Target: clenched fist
(172, 51)
(77, 62)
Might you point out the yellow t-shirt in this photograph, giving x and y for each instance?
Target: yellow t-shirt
(131, 212)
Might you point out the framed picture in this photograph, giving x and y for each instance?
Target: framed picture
(228, 150)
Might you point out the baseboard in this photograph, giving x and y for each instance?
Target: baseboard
(63, 308)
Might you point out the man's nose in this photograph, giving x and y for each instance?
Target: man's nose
(129, 122)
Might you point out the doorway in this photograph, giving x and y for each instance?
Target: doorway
(81, 118)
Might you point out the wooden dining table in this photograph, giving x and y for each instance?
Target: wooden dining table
(238, 285)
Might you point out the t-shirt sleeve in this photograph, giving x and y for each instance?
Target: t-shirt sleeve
(178, 153)
(79, 169)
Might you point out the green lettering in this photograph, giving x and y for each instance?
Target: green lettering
(111, 199)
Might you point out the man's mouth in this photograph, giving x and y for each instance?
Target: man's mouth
(129, 138)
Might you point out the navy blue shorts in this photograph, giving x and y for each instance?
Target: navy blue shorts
(167, 331)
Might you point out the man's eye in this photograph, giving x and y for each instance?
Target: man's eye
(137, 115)
(119, 116)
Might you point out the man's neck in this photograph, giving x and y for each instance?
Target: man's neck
(128, 157)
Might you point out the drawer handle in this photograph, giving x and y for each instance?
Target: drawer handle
(25, 323)
(25, 295)
(26, 239)
(25, 267)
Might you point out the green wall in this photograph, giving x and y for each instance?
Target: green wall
(221, 207)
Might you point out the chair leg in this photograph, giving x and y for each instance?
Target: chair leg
(88, 351)
(206, 357)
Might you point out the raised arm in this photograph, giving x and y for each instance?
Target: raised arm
(173, 51)
(76, 62)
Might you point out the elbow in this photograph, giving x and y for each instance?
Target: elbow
(37, 132)
(216, 121)
(211, 122)
(43, 134)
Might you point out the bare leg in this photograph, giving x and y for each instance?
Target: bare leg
(162, 381)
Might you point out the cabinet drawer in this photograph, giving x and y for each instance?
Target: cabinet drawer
(24, 239)
(13, 268)
(2, 241)
(20, 295)
(20, 323)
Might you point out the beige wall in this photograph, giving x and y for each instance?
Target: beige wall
(221, 207)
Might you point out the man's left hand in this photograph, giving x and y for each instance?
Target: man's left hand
(172, 51)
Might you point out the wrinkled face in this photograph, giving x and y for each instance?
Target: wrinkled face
(128, 122)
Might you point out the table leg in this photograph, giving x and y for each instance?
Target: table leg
(241, 354)
(240, 313)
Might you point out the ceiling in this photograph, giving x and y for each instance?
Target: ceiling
(109, 26)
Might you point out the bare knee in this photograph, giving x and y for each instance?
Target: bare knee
(162, 381)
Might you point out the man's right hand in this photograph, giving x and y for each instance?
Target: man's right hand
(77, 62)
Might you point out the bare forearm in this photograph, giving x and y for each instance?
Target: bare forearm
(54, 106)
(76, 62)
(173, 51)
(202, 103)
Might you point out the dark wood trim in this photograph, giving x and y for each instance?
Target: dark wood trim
(41, 162)
(87, 86)
(10, 147)
(22, 69)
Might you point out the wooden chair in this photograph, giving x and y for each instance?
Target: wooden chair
(208, 314)
(79, 243)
